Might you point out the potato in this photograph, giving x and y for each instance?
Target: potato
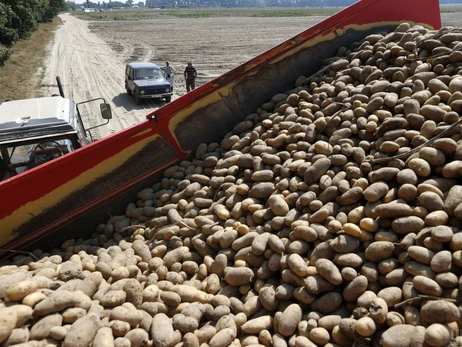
(392, 210)
(58, 333)
(90, 284)
(376, 191)
(57, 301)
(329, 271)
(137, 337)
(391, 295)
(205, 333)
(319, 336)
(7, 322)
(427, 286)
(421, 254)
(397, 335)
(379, 250)
(297, 265)
(104, 337)
(355, 288)
(327, 303)
(278, 205)
(119, 328)
(394, 318)
(254, 326)
(437, 335)
(365, 326)
(439, 311)
(17, 337)
(82, 331)
(122, 342)
(19, 290)
(33, 299)
(238, 276)
(127, 314)
(70, 315)
(162, 330)
(23, 314)
(113, 298)
(290, 318)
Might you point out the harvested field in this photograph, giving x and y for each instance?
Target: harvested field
(90, 55)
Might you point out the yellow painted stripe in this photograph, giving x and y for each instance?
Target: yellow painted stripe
(36, 207)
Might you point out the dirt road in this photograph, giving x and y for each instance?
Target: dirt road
(88, 69)
(90, 56)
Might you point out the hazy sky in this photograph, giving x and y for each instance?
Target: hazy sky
(96, 1)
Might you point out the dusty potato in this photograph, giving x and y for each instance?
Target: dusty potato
(83, 331)
(290, 318)
(7, 322)
(137, 337)
(162, 330)
(104, 337)
(437, 335)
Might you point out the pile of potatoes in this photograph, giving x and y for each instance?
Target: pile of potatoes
(329, 217)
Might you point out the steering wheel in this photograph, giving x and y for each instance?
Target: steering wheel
(46, 151)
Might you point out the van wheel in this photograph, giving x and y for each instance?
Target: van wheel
(168, 98)
(129, 92)
(137, 99)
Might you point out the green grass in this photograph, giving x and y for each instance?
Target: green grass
(18, 77)
(140, 14)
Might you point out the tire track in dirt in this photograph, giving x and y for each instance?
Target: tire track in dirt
(89, 69)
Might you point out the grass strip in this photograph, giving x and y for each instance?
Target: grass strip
(20, 77)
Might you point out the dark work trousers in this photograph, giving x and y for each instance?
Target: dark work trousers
(190, 84)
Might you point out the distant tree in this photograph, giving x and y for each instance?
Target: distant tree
(113, 4)
(26, 15)
(19, 18)
(53, 8)
(8, 34)
(70, 5)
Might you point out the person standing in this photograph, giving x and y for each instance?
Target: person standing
(169, 70)
(190, 75)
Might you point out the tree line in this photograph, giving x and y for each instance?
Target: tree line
(20, 18)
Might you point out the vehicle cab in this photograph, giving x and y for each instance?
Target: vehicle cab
(35, 131)
(146, 81)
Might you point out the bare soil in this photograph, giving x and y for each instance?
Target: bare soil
(90, 56)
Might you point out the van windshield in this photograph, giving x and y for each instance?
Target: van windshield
(151, 73)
